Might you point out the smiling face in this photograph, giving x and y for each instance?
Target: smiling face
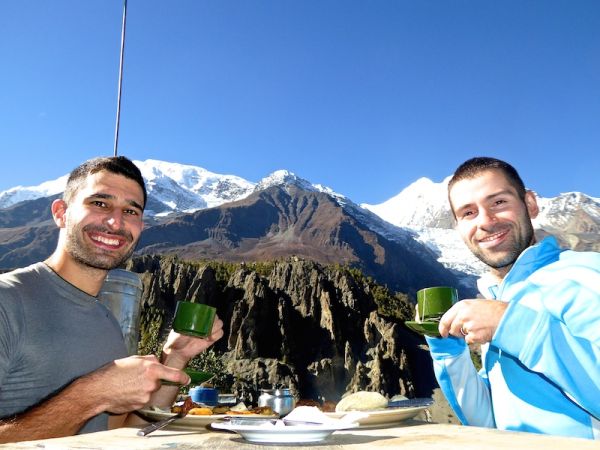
(102, 222)
(493, 221)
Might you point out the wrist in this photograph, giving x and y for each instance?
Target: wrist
(171, 359)
(85, 393)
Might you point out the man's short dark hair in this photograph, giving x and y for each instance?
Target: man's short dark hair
(474, 166)
(119, 165)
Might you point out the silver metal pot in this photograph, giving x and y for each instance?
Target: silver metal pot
(121, 293)
(280, 400)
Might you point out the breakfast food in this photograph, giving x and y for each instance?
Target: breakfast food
(308, 402)
(200, 412)
(362, 401)
(328, 406)
(197, 409)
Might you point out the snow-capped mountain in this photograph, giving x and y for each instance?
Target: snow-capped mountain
(285, 177)
(418, 213)
(172, 187)
(423, 207)
(419, 203)
(19, 194)
(563, 211)
(423, 204)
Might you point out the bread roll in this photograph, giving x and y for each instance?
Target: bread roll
(362, 401)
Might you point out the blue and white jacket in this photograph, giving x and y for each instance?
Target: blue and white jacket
(541, 370)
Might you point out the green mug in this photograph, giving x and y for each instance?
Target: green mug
(194, 319)
(433, 302)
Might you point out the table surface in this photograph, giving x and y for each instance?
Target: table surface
(410, 435)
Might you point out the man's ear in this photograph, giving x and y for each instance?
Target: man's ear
(531, 203)
(59, 212)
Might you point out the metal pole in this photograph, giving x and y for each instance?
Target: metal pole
(120, 76)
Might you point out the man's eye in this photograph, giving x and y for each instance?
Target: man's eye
(467, 214)
(99, 203)
(131, 212)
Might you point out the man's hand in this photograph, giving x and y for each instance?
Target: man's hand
(120, 386)
(127, 384)
(179, 349)
(475, 320)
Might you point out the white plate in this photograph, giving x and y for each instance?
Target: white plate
(280, 433)
(189, 421)
(387, 417)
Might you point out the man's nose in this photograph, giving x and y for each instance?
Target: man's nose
(486, 218)
(115, 220)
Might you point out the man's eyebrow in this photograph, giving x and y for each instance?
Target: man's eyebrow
(488, 198)
(502, 192)
(112, 197)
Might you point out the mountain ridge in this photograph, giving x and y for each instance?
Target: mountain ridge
(419, 213)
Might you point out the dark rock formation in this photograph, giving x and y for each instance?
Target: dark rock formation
(315, 329)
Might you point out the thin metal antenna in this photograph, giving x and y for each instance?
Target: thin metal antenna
(120, 76)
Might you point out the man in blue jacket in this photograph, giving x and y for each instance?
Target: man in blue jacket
(538, 318)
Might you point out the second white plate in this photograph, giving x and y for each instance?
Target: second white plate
(283, 433)
(385, 417)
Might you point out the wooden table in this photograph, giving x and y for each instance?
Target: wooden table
(412, 435)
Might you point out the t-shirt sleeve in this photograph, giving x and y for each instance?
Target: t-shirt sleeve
(10, 325)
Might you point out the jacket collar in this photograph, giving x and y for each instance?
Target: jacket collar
(530, 260)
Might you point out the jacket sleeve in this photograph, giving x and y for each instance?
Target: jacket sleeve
(554, 328)
(467, 391)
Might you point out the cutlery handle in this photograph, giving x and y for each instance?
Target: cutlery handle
(157, 425)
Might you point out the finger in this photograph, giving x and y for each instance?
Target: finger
(217, 325)
(216, 335)
(460, 328)
(447, 321)
(175, 376)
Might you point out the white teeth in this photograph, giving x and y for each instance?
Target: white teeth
(106, 240)
(491, 238)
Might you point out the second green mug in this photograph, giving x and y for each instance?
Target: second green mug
(194, 319)
(433, 302)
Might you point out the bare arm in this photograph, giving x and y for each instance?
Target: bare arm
(121, 386)
(62, 415)
(177, 352)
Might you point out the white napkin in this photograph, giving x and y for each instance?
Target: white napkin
(311, 415)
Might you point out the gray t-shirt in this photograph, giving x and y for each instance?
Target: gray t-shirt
(50, 333)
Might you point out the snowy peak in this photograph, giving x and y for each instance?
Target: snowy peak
(287, 178)
(195, 179)
(423, 204)
(574, 218)
(172, 187)
(570, 212)
(18, 194)
(177, 187)
(283, 178)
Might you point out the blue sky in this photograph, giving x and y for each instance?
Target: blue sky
(362, 96)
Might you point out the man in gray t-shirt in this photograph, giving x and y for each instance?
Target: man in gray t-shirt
(52, 334)
(63, 368)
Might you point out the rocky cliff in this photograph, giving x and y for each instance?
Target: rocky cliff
(321, 330)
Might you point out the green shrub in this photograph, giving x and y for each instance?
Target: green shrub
(210, 361)
(150, 324)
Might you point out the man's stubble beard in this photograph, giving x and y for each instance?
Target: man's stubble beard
(523, 238)
(80, 252)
